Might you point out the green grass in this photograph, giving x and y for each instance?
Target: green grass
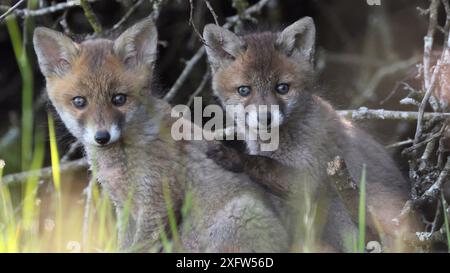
(362, 212)
(171, 213)
(26, 73)
(446, 225)
(47, 217)
(41, 221)
(8, 226)
(56, 175)
(30, 210)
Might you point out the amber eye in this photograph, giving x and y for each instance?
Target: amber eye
(119, 99)
(244, 90)
(79, 102)
(282, 88)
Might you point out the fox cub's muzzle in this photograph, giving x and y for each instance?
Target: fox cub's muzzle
(264, 117)
(102, 137)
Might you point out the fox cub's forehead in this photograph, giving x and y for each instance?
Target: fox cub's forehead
(98, 69)
(261, 58)
(97, 56)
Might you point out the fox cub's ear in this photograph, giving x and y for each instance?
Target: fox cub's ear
(55, 51)
(222, 45)
(298, 40)
(138, 44)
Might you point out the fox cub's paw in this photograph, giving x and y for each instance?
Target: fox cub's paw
(226, 157)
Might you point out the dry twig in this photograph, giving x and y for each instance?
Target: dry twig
(11, 10)
(45, 173)
(48, 10)
(365, 113)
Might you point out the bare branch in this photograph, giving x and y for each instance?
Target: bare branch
(256, 8)
(427, 96)
(11, 10)
(128, 14)
(433, 192)
(213, 13)
(400, 144)
(347, 190)
(184, 74)
(381, 74)
(428, 42)
(199, 88)
(72, 150)
(191, 21)
(48, 10)
(365, 113)
(45, 173)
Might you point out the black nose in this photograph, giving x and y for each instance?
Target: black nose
(265, 118)
(102, 137)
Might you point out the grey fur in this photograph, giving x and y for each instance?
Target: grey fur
(222, 45)
(311, 135)
(138, 44)
(54, 50)
(298, 40)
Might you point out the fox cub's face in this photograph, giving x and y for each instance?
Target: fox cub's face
(99, 86)
(264, 69)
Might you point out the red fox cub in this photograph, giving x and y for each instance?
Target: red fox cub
(101, 89)
(277, 69)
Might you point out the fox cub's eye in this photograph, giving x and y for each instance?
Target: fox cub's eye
(244, 90)
(282, 88)
(79, 102)
(119, 99)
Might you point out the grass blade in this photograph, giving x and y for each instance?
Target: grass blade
(30, 210)
(447, 230)
(26, 73)
(362, 212)
(56, 175)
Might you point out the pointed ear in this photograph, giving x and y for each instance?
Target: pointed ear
(55, 51)
(222, 45)
(138, 44)
(298, 40)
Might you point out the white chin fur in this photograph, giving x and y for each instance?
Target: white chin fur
(89, 135)
(115, 133)
(252, 119)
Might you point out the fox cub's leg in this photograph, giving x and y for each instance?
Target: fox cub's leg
(126, 228)
(137, 234)
(339, 228)
(246, 224)
(263, 170)
(148, 228)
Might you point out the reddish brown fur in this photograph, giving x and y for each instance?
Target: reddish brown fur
(97, 74)
(262, 66)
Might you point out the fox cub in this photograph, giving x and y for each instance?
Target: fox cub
(267, 69)
(101, 89)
